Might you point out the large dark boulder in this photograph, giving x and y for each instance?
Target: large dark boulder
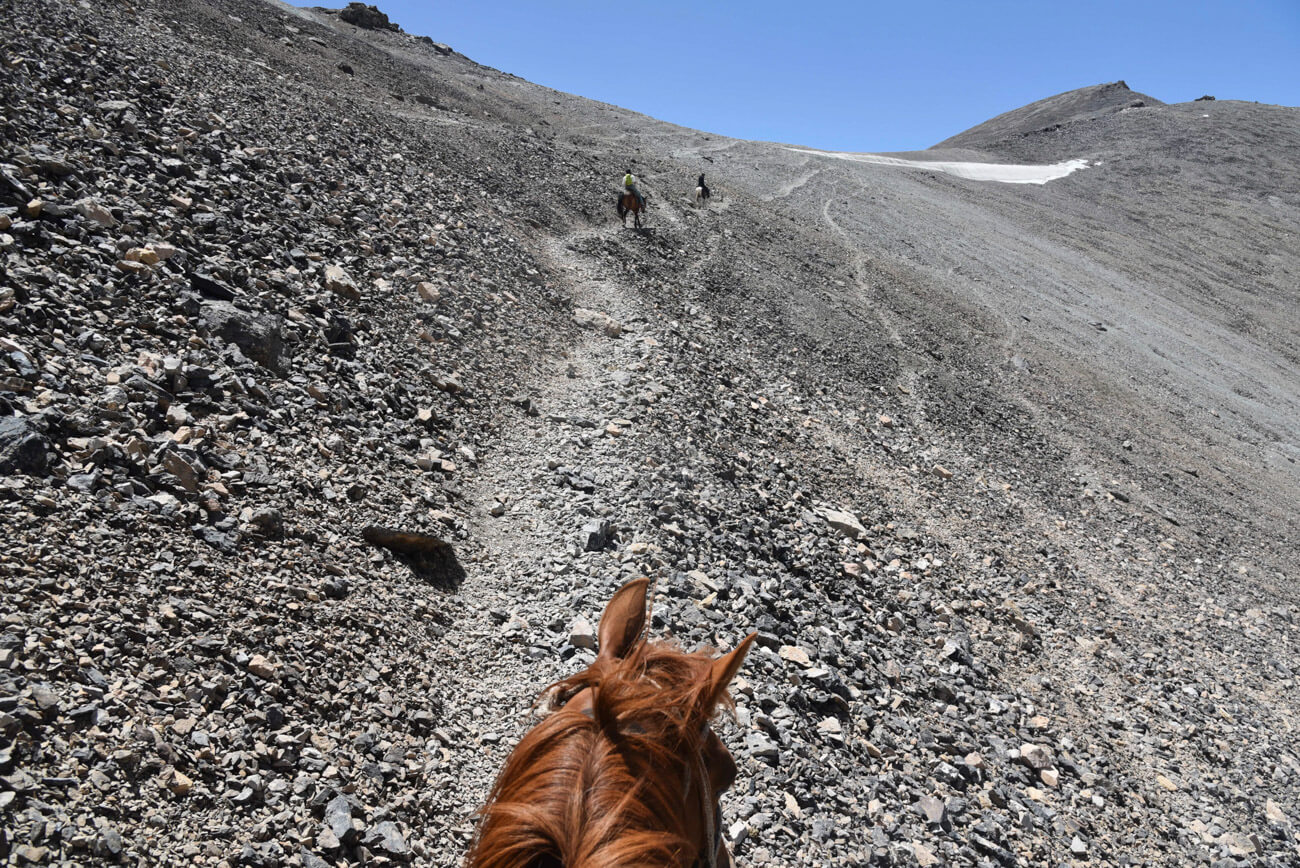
(367, 17)
(256, 334)
(24, 448)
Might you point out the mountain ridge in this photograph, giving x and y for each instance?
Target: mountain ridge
(1050, 113)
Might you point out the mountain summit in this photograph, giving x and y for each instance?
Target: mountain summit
(1054, 112)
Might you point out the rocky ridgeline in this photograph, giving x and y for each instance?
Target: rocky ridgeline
(248, 309)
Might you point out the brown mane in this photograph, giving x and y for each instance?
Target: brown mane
(604, 790)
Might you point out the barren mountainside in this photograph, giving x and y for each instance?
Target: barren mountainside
(335, 402)
(1047, 115)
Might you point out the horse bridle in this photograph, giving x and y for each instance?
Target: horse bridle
(712, 818)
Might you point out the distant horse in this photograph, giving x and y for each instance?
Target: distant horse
(701, 193)
(626, 769)
(628, 203)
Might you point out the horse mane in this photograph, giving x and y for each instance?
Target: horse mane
(603, 790)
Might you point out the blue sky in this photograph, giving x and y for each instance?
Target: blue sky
(869, 76)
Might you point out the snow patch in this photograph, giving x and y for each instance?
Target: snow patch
(1004, 173)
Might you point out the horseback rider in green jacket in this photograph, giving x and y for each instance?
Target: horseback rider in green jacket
(629, 184)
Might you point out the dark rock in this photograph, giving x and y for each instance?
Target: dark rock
(367, 17)
(219, 540)
(24, 447)
(597, 534)
(268, 521)
(210, 287)
(338, 819)
(257, 335)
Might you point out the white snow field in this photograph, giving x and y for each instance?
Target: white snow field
(1004, 173)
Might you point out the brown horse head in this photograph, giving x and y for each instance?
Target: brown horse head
(626, 770)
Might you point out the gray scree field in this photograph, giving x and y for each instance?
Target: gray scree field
(1004, 475)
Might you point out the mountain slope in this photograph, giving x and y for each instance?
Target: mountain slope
(1075, 106)
(1064, 416)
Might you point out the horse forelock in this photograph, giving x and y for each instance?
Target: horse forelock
(602, 786)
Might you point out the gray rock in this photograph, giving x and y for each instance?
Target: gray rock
(338, 819)
(257, 335)
(387, 838)
(846, 523)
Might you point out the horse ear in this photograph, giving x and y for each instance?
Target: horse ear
(723, 670)
(623, 620)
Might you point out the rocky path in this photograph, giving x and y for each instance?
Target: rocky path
(543, 532)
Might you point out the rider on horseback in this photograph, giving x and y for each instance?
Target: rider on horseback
(629, 184)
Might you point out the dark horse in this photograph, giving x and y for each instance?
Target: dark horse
(628, 202)
(702, 192)
(626, 770)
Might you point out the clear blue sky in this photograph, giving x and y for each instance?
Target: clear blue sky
(868, 76)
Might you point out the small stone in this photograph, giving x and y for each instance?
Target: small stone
(924, 855)
(95, 212)
(262, 667)
(1274, 813)
(338, 282)
(1078, 847)
(932, 808)
(184, 471)
(180, 784)
(846, 523)
(761, 747)
(942, 472)
(143, 255)
(1050, 777)
(1035, 756)
(796, 655)
(427, 291)
(597, 321)
(1166, 783)
(23, 446)
(583, 635)
(448, 383)
(109, 843)
(28, 853)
